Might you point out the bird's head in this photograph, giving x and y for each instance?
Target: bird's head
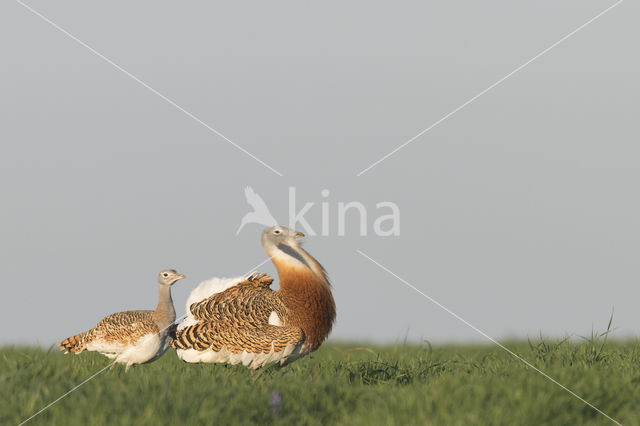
(169, 277)
(281, 239)
(275, 235)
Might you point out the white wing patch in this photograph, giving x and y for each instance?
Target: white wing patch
(205, 290)
(274, 319)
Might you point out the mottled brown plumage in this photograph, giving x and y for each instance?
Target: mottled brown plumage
(250, 317)
(122, 327)
(132, 337)
(237, 320)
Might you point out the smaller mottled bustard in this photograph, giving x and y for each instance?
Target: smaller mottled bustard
(132, 337)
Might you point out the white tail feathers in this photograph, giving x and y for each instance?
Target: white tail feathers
(205, 290)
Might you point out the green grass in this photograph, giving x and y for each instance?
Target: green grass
(339, 384)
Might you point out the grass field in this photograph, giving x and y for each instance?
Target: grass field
(339, 384)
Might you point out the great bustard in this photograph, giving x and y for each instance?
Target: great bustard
(132, 337)
(243, 320)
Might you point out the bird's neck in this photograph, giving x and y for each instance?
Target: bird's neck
(309, 302)
(165, 314)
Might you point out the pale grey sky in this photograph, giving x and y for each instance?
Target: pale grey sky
(520, 212)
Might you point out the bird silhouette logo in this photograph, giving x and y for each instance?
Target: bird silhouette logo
(260, 213)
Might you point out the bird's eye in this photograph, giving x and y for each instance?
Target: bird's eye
(277, 231)
(165, 275)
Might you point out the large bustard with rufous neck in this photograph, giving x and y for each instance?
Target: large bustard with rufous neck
(242, 320)
(132, 337)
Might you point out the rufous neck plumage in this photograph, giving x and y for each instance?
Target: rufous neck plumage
(307, 295)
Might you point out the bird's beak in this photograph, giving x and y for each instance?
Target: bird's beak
(299, 234)
(181, 276)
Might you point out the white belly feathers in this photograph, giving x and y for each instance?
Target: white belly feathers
(248, 359)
